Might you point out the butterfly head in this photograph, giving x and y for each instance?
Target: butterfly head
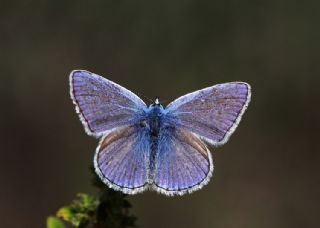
(156, 103)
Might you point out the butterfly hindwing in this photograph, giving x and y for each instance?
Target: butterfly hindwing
(122, 159)
(212, 113)
(101, 104)
(183, 163)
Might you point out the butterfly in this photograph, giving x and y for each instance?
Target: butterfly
(151, 147)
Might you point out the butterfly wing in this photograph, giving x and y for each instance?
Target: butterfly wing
(183, 163)
(212, 113)
(122, 158)
(102, 104)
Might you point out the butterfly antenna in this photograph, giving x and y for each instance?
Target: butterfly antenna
(147, 98)
(164, 101)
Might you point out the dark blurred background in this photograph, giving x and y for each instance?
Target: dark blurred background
(267, 175)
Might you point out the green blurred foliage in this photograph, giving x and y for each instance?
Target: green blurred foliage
(80, 211)
(53, 222)
(110, 210)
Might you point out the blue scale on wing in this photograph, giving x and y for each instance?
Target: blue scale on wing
(182, 161)
(122, 157)
(211, 112)
(103, 104)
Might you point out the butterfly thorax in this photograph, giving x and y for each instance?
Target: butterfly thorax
(154, 118)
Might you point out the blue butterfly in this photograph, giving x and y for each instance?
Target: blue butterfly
(153, 147)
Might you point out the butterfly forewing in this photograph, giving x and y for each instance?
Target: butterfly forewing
(102, 104)
(212, 113)
(122, 158)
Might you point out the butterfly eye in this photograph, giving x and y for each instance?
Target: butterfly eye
(143, 124)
